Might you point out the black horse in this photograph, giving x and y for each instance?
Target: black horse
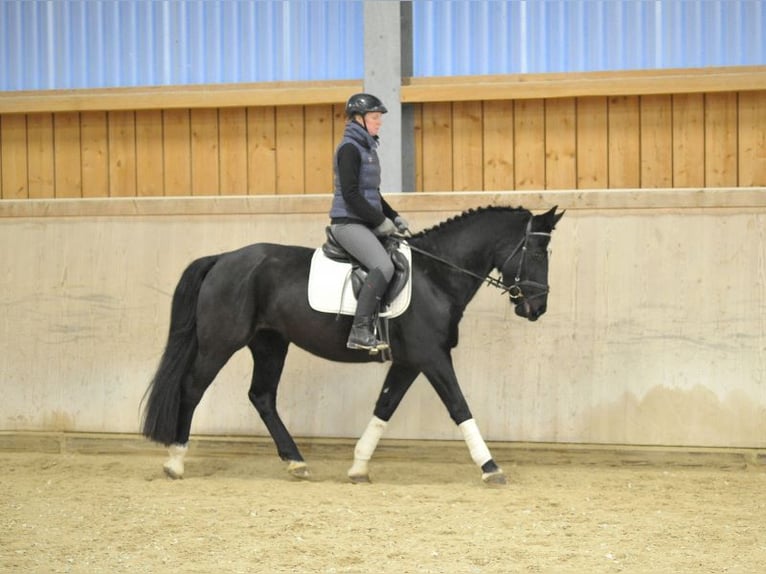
(256, 296)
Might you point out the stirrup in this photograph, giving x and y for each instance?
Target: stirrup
(374, 349)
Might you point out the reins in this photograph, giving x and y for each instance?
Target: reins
(514, 291)
(493, 281)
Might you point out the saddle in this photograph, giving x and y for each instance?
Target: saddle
(333, 250)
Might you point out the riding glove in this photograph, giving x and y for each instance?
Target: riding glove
(385, 228)
(401, 224)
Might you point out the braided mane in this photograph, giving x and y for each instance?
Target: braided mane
(465, 215)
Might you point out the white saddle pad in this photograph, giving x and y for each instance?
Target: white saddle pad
(330, 289)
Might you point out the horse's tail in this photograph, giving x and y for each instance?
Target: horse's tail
(160, 418)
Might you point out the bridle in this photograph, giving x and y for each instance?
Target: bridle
(515, 291)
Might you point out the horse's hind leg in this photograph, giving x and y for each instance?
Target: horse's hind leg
(269, 350)
(196, 382)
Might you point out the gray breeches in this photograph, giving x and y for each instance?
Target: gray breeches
(362, 243)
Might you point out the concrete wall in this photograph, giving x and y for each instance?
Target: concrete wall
(655, 334)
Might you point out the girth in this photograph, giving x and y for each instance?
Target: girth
(335, 251)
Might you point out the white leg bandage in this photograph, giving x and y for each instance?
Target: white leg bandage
(366, 446)
(174, 467)
(476, 445)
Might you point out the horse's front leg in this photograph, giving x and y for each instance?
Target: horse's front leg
(441, 375)
(398, 381)
(269, 350)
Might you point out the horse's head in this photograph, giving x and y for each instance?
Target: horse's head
(525, 269)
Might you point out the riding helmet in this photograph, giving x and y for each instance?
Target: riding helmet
(363, 104)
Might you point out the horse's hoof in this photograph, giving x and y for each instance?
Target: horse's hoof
(298, 469)
(494, 479)
(359, 478)
(171, 472)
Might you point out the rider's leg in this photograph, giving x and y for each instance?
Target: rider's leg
(362, 335)
(363, 245)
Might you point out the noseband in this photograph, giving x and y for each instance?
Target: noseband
(514, 290)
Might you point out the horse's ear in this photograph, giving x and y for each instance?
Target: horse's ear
(551, 218)
(557, 216)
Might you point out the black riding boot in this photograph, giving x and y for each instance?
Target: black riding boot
(362, 334)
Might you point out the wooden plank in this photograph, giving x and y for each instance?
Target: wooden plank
(262, 151)
(180, 96)
(149, 154)
(721, 140)
(67, 157)
(40, 156)
(413, 90)
(122, 153)
(95, 154)
(752, 139)
(290, 126)
(205, 156)
(437, 147)
(498, 145)
(417, 128)
(656, 141)
(623, 142)
(176, 139)
(560, 144)
(319, 148)
(338, 129)
(632, 201)
(583, 84)
(13, 145)
(529, 144)
(467, 152)
(232, 137)
(592, 143)
(339, 123)
(688, 140)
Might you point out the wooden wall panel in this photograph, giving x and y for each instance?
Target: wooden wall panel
(67, 156)
(204, 146)
(232, 126)
(40, 156)
(233, 151)
(95, 154)
(752, 138)
(150, 153)
(13, 143)
(529, 144)
(291, 153)
(320, 147)
(176, 131)
(122, 153)
(624, 143)
(417, 139)
(338, 123)
(688, 139)
(715, 139)
(436, 138)
(262, 150)
(656, 141)
(560, 144)
(467, 152)
(721, 140)
(592, 143)
(338, 129)
(498, 143)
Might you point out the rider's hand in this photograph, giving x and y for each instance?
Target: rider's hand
(385, 228)
(401, 224)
